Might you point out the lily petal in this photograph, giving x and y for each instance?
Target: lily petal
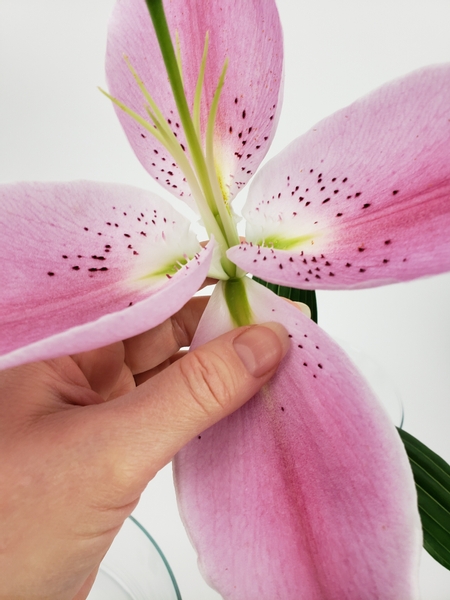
(306, 492)
(249, 35)
(89, 264)
(362, 199)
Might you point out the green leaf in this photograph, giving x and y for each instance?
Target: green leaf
(306, 296)
(432, 478)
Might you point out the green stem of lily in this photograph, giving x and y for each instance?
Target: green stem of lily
(158, 17)
(237, 301)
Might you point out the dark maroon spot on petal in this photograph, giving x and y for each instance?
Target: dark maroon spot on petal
(361, 249)
(320, 366)
(92, 269)
(65, 256)
(395, 192)
(235, 100)
(50, 273)
(344, 180)
(358, 194)
(300, 346)
(348, 265)
(142, 135)
(127, 235)
(282, 408)
(243, 114)
(76, 268)
(366, 205)
(362, 270)
(385, 260)
(387, 242)
(326, 200)
(86, 229)
(305, 364)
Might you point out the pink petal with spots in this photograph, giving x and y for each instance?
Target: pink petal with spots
(248, 34)
(87, 264)
(367, 190)
(306, 492)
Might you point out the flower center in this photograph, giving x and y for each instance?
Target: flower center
(198, 164)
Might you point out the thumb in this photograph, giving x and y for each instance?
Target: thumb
(148, 426)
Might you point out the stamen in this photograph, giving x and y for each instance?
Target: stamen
(222, 206)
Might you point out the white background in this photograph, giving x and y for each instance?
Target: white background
(55, 125)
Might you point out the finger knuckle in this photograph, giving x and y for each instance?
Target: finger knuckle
(208, 380)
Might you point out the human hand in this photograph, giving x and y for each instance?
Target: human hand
(81, 436)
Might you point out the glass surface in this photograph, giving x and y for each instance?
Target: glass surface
(134, 568)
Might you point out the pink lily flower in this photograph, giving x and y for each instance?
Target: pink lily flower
(307, 491)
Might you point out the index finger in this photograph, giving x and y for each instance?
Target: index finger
(149, 349)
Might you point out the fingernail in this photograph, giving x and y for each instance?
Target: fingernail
(262, 347)
(302, 307)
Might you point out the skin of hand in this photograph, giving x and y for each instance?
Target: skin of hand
(81, 436)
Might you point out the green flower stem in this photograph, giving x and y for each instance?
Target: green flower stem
(237, 302)
(158, 17)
